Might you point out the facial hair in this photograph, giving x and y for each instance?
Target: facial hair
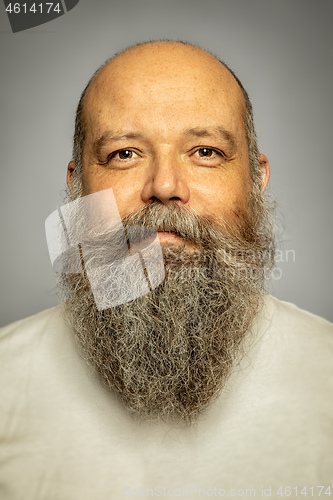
(169, 353)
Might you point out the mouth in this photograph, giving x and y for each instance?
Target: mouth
(166, 234)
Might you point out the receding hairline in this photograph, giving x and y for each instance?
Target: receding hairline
(171, 43)
(139, 49)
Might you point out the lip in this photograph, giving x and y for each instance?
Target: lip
(165, 235)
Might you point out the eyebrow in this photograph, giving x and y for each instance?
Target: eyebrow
(219, 131)
(108, 136)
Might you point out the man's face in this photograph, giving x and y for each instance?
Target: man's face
(161, 125)
(164, 129)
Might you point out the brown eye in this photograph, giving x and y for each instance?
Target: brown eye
(205, 152)
(125, 154)
(122, 155)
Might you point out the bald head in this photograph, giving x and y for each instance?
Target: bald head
(168, 61)
(151, 69)
(165, 64)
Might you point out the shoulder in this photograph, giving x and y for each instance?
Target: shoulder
(21, 339)
(286, 330)
(297, 346)
(287, 319)
(34, 323)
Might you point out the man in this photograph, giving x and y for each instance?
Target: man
(204, 386)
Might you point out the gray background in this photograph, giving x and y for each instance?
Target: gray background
(281, 50)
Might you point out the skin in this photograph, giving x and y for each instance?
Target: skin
(160, 91)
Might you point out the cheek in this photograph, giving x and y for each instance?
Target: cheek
(224, 194)
(126, 191)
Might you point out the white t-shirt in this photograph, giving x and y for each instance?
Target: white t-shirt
(63, 436)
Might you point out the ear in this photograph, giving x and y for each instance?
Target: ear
(265, 171)
(70, 171)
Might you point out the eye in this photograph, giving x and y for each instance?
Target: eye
(211, 155)
(205, 152)
(122, 154)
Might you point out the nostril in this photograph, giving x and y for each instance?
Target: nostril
(173, 198)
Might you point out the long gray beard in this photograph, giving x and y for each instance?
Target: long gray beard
(168, 354)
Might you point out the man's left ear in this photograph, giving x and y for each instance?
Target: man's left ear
(265, 171)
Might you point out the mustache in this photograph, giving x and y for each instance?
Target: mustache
(198, 229)
(140, 227)
(106, 245)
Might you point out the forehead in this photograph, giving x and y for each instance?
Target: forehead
(166, 87)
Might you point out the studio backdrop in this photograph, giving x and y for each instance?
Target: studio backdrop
(280, 49)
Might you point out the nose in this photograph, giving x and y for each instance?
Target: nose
(166, 181)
